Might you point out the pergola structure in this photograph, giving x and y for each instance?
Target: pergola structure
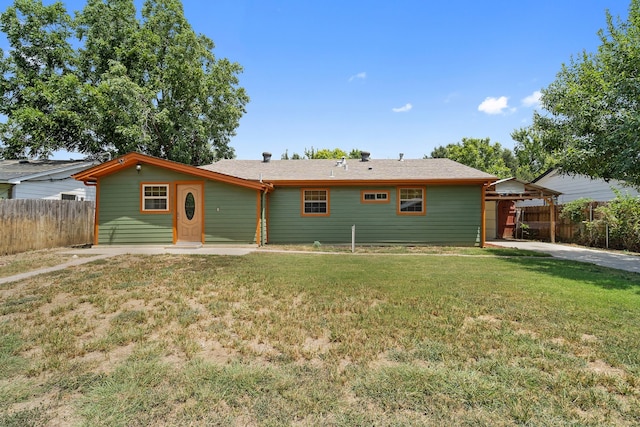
(512, 189)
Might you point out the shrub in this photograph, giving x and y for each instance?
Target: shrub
(622, 215)
(576, 210)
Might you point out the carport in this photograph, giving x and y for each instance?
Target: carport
(500, 199)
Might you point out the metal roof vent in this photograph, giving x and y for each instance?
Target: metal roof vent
(401, 157)
(365, 156)
(266, 157)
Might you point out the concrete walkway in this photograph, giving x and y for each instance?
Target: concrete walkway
(86, 255)
(575, 253)
(616, 260)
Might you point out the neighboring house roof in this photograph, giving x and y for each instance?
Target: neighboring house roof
(335, 172)
(16, 171)
(90, 176)
(545, 173)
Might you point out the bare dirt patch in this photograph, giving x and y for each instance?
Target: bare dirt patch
(485, 318)
(316, 345)
(589, 338)
(382, 361)
(113, 358)
(214, 352)
(602, 367)
(261, 348)
(558, 341)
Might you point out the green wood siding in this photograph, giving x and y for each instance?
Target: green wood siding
(229, 211)
(119, 218)
(453, 217)
(230, 215)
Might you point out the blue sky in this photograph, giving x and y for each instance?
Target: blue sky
(391, 77)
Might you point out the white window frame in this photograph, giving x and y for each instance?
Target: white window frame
(154, 197)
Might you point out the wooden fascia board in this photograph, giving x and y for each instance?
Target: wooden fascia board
(514, 197)
(492, 195)
(129, 160)
(376, 182)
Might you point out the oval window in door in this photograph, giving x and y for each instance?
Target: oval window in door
(190, 206)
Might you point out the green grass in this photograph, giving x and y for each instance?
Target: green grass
(23, 262)
(404, 250)
(503, 339)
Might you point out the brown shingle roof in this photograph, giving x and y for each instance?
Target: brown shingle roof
(355, 170)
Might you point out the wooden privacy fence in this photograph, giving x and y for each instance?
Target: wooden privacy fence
(537, 223)
(536, 219)
(30, 224)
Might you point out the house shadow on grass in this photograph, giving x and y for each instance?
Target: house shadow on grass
(603, 277)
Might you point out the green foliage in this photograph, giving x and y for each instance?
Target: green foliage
(576, 210)
(39, 92)
(592, 109)
(532, 159)
(149, 84)
(480, 154)
(323, 153)
(622, 216)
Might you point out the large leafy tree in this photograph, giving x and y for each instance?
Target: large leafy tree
(152, 84)
(480, 154)
(39, 87)
(531, 156)
(593, 107)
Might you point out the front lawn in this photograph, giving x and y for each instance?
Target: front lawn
(313, 339)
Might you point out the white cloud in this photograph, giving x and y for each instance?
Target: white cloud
(494, 105)
(403, 109)
(532, 100)
(452, 97)
(359, 76)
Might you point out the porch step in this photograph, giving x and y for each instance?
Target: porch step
(185, 245)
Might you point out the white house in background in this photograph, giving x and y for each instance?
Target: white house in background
(44, 179)
(575, 187)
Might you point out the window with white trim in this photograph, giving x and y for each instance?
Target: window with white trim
(411, 201)
(155, 197)
(315, 202)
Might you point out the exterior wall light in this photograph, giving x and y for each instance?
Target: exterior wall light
(138, 167)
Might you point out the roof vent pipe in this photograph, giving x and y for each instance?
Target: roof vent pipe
(266, 157)
(365, 156)
(401, 157)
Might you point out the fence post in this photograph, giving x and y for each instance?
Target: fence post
(552, 220)
(353, 238)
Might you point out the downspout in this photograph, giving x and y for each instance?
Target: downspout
(263, 217)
